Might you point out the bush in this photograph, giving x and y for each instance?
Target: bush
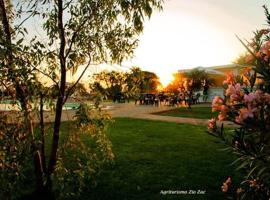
(83, 153)
(15, 155)
(246, 102)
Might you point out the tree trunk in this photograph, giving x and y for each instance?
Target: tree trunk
(42, 134)
(21, 93)
(61, 95)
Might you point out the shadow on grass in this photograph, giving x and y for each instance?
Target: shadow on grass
(194, 112)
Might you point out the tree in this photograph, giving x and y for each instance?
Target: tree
(80, 91)
(135, 81)
(79, 33)
(108, 83)
(197, 79)
(130, 83)
(139, 81)
(150, 82)
(177, 84)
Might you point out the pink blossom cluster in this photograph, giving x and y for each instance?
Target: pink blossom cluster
(226, 184)
(218, 104)
(230, 79)
(212, 124)
(245, 113)
(253, 102)
(234, 92)
(263, 53)
(246, 106)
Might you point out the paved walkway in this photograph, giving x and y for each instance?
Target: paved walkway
(130, 110)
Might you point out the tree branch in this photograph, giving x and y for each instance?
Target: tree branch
(22, 22)
(69, 91)
(45, 74)
(7, 88)
(40, 71)
(74, 37)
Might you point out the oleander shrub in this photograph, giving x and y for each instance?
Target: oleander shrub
(246, 103)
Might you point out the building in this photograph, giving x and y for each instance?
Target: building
(218, 73)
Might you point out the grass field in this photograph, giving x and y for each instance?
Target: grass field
(152, 156)
(194, 112)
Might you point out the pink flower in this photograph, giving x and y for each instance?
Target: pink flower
(212, 124)
(238, 87)
(253, 183)
(224, 187)
(226, 184)
(265, 51)
(229, 79)
(224, 108)
(249, 98)
(223, 113)
(230, 90)
(239, 120)
(245, 113)
(234, 92)
(259, 96)
(234, 97)
(229, 181)
(218, 100)
(217, 103)
(222, 116)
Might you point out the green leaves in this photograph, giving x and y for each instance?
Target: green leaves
(75, 34)
(14, 157)
(84, 152)
(105, 31)
(198, 78)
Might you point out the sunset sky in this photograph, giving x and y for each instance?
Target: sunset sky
(189, 33)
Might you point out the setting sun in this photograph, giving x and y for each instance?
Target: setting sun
(191, 34)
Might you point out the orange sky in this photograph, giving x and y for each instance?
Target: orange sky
(189, 33)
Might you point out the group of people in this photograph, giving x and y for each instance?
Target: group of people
(186, 98)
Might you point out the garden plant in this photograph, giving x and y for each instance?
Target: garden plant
(246, 103)
(73, 35)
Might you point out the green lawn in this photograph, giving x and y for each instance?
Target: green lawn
(194, 112)
(152, 156)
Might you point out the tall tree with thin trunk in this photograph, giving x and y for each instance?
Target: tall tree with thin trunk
(77, 35)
